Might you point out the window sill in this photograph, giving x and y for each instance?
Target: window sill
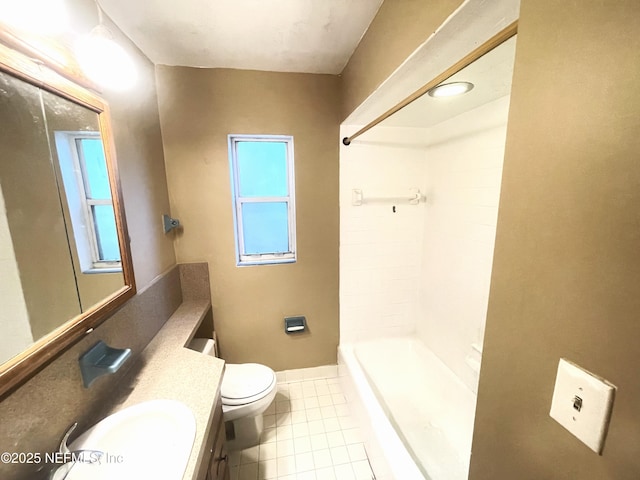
(93, 271)
(269, 261)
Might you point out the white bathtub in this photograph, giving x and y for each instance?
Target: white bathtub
(416, 416)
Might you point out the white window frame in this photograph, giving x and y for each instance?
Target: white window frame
(74, 176)
(242, 258)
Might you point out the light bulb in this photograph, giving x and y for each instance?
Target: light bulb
(450, 89)
(104, 61)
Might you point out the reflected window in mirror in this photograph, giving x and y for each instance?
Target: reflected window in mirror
(85, 193)
(86, 184)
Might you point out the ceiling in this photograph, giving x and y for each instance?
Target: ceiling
(313, 36)
(491, 76)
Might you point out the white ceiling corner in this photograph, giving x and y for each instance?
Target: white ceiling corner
(312, 36)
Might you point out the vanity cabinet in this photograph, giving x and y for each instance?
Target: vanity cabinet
(215, 465)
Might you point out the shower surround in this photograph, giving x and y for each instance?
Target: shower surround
(421, 272)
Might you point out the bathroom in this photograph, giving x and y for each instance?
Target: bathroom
(564, 268)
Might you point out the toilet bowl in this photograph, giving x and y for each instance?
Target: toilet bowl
(247, 390)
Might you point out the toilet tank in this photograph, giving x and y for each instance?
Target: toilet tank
(208, 346)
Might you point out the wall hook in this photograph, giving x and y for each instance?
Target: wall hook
(169, 223)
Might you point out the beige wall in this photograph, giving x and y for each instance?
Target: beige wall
(399, 27)
(199, 108)
(136, 129)
(566, 275)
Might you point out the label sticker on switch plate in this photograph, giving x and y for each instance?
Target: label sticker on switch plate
(582, 403)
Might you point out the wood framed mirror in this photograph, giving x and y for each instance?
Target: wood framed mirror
(65, 261)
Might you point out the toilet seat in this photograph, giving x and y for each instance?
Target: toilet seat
(246, 383)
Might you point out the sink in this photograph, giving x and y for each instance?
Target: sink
(148, 440)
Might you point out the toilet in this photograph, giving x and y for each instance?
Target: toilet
(247, 390)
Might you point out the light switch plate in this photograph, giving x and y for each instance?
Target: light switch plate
(582, 404)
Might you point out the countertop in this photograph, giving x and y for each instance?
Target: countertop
(167, 370)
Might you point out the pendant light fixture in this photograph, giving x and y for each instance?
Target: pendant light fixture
(103, 60)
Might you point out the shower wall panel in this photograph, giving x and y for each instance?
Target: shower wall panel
(463, 172)
(380, 240)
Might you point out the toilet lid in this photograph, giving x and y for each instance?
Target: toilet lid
(242, 382)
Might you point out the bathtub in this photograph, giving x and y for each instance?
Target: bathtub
(415, 415)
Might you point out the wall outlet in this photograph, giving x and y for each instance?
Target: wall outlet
(582, 403)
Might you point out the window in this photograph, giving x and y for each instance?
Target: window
(263, 197)
(88, 191)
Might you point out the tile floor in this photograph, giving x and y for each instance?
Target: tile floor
(309, 435)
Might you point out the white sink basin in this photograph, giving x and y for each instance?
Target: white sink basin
(149, 440)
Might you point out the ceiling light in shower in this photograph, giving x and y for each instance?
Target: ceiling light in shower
(450, 89)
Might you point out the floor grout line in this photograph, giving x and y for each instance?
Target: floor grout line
(315, 446)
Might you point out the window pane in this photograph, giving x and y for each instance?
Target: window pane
(265, 227)
(262, 169)
(97, 178)
(106, 233)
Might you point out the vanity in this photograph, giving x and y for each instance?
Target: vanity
(160, 373)
(164, 419)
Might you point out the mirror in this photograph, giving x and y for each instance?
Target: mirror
(64, 257)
